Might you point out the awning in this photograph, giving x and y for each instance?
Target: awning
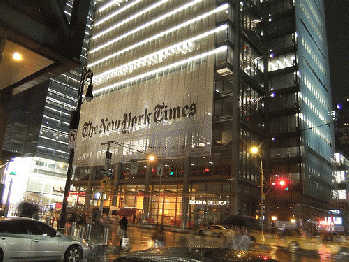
(126, 212)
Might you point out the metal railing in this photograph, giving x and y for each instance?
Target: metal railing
(94, 234)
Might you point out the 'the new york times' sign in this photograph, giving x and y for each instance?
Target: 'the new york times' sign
(161, 113)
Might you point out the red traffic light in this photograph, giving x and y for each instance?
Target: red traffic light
(282, 184)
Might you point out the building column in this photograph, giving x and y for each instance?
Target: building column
(5, 96)
(116, 184)
(88, 194)
(234, 124)
(146, 191)
(185, 197)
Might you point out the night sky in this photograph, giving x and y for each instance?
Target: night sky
(337, 25)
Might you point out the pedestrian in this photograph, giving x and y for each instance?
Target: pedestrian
(159, 237)
(123, 226)
(245, 240)
(228, 239)
(237, 239)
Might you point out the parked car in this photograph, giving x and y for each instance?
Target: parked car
(186, 254)
(213, 231)
(31, 240)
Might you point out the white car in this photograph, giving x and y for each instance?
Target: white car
(25, 239)
(213, 231)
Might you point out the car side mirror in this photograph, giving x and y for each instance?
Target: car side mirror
(58, 234)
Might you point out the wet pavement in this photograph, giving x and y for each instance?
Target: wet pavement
(140, 239)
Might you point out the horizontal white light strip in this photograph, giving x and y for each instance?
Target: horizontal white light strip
(60, 103)
(71, 78)
(140, 61)
(131, 18)
(109, 4)
(54, 119)
(168, 67)
(222, 27)
(54, 130)
(51, 149)
(220, 8)
(64, 84)
(117, 12)
(57, 93)
(55, 110)
(54, 140)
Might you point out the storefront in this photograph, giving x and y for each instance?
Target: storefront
(206, 212)
(165, 204)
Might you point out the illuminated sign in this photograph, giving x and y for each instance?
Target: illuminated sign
(209, 203)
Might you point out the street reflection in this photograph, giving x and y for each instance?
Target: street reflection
(140, 239)
(325, 253)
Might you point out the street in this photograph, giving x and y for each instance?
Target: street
(140, 239)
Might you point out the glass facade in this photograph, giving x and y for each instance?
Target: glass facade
(252, 74)
(61, 99)
(302, 145)
(315, 96)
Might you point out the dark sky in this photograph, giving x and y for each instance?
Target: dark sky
(337, 25)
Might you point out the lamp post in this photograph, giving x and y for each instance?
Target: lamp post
(255, 150)
(74, 124)
(106, 168)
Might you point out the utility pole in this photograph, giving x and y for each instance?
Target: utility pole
(107, 163)
(74, 124)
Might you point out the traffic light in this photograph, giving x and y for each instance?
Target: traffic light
(171, 171)
(108, 155)
(282, 184)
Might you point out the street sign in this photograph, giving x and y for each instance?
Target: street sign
(72, 138)
(160, 170)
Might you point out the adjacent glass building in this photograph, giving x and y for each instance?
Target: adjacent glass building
(302, 145)
(197, 84)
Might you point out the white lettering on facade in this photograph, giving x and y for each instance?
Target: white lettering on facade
(129, 121)
(210, 203)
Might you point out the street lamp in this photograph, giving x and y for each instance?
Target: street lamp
(151, 158)
(107, 164)
(254, 150)
(74, 124)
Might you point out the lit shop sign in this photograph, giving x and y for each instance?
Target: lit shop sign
(161, 112)
(209, 203)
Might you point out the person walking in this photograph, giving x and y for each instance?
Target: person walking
(123, 235)
(237, 239)
(245, 240)
(159, 237)
(123, 226)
